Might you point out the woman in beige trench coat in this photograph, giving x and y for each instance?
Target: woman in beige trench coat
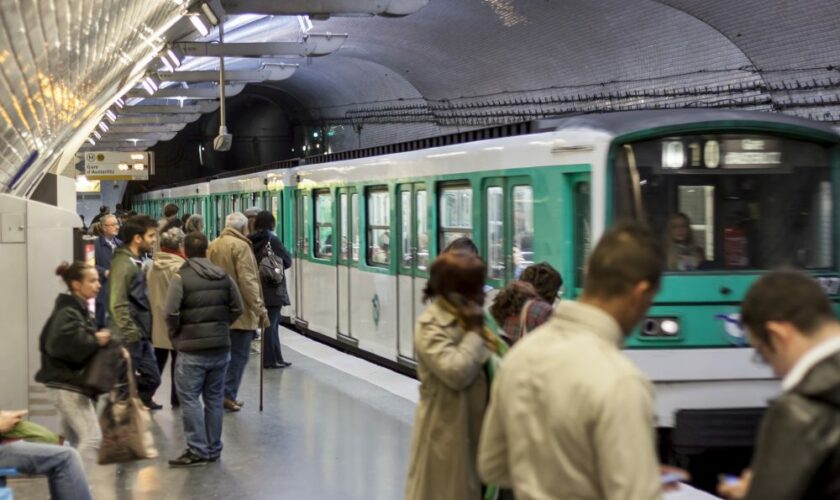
(451, 348)
(168, 260)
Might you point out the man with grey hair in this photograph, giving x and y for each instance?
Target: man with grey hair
(232, 252)
(167, 261)
(104, 248)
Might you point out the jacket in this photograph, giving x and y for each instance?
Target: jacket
(797, 454)
(102, 257)
(570, 416)
(164, 266)
(274, 296)
(128, 304)
(453, 395)
(67, 343)
(232, 252)
(201, 303)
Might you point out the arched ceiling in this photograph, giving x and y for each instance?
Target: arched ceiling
(452, 63)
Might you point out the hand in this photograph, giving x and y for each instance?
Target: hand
(9, 419)
(683, 475)
(125, 353)
(103, 337)
(264, 321)
(737, 489)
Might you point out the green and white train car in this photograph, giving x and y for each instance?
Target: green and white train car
(758, 188)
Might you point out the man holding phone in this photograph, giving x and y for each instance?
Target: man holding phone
(61, 464)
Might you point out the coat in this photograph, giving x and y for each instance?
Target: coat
(453, 395)
(201, 304)
(797, 454)
(128, 302)
(164, 266)
(232, 252)
(274, 296)
(67, 343)
(102, 257)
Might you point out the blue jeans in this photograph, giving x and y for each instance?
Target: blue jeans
(240, 349)
(202, 375)
(61, 465)
(271, 352)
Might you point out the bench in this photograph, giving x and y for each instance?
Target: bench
(6, 493)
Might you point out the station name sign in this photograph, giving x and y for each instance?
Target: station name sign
(118, 166)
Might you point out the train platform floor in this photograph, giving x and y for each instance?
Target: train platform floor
(333, 426)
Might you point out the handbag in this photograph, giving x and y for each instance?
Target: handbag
(271, 268)
(101, 373)
(125, 422)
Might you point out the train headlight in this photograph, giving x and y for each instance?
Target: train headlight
(661, 327)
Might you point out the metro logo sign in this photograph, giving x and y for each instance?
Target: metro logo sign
(115, 165)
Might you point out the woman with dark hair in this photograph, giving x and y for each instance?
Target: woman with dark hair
(67, 344)
(276, 296)
(452, 346)
(462, 244)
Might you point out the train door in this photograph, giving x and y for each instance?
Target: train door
(580, 221)
(348, 259)
(413, 254)
(302, 207)
(509, 232)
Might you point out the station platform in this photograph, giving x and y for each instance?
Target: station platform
(333, 426)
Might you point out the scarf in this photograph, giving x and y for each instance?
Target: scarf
(491, 338)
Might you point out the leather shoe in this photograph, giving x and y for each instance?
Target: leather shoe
(152, 405)
(275, 366)
(240, 403)
(231, 405)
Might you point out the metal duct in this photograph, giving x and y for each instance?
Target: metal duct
(313, 45)
(193, 93)
(322, 8)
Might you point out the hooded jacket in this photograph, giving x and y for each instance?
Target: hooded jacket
(274, 296)
(164, 267)
(798, 450)
(130, 317)
(232, 252)
(201, 303)
(67, 343)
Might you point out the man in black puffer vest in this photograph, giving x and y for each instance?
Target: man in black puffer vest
(201, 303)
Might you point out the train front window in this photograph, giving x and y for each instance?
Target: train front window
(735, 202)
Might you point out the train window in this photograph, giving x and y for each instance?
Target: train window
(323, 224)
(731, 201)
(354, 227)
(379, 227)
(344, 227)
(304, 242)
(583, 233)
(422, 214)
(495, 232)
(523, 228)
(455, 214)
(405, 228)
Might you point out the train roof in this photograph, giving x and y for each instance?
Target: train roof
(626, 122)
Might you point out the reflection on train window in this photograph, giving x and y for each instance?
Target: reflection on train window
(422, 214)
(405, 228)
(495, 232)
(455, 214)
(304, 242)
(278, 214)
(354, 227)
(378, 228)
(583, 229)
(323, 224)
(344, 227)
(523, 228)
(731, 201)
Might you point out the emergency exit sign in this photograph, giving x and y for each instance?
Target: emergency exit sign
(118, 166)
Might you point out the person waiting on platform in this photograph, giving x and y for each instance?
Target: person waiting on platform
(195, 224)
(790, 321)
(233, 252)
(546, 280)
(167, 261)
(103, 211)
(570, 415)
(451, 346)
(104, 247)
(681, 253)
(463, 244)
(276, 296)
(201, 304)
(518, 309)
(60, 464)
(68, 342)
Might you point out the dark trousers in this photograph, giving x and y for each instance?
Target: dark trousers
(240, 349)
(145, 367)
(101, 321)
(162, 355)
(272, 354)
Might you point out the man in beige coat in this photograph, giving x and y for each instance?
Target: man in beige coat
(570, 416)
(232, 252)
(167, 261)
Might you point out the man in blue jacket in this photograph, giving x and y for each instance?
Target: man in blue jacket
(104, 252)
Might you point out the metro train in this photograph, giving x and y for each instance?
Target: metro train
(758, 189)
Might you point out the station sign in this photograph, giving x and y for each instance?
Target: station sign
(118, 165)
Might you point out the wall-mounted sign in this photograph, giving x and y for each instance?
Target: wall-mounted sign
(116, 165)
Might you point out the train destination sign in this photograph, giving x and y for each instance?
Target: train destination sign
(116, 165)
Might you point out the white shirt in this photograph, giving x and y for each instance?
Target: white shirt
(810, 360)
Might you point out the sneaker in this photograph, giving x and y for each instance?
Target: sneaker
(188, 459)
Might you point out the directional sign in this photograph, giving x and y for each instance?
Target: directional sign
(116, 165)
